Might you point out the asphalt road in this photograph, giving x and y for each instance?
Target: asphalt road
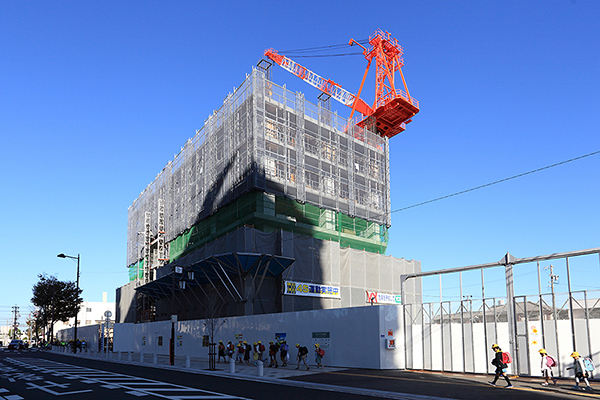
(44, 375)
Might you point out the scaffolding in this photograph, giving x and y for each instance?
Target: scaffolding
(263, 138)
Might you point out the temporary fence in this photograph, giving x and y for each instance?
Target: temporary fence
(457, 335)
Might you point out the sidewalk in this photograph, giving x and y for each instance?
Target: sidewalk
(197, 364)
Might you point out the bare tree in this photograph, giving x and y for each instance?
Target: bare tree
(213, 306)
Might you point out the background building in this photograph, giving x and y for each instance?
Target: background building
(276, 204)
(90, 313)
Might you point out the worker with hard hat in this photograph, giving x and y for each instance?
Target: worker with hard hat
(580, 371)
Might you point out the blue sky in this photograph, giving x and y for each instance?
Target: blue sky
(96, 97)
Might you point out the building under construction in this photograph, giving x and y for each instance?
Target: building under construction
(276, 204)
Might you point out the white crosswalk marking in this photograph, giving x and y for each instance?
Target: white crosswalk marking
(133, 385)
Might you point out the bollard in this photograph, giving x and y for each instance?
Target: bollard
(142, 357)
(260, 370)
(187, 361)
(129, 355)
(232, 365)
(155, 358)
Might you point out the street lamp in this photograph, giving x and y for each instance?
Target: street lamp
(61, 255)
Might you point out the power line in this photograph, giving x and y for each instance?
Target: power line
(500, 181)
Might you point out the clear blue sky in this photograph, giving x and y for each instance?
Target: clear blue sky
(96, 97)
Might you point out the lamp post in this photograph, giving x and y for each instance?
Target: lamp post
(61, 255)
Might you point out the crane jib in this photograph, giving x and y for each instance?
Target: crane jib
(327, 86)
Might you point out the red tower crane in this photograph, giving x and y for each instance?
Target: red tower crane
(392, 108)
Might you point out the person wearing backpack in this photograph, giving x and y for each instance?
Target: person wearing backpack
(256, 355)
(301, 357)
(500, 361)
(547, 363)
(319, 355)
(273, 349)
(580, 371)
(221, 351)
(283, 352)
(261, 350)
(230, 350)
(247, 350)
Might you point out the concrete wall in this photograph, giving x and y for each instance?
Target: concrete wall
(357, 336)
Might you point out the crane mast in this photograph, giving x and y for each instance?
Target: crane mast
(392, 109)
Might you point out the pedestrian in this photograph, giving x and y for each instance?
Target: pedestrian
(261, 350)
(546, 366)
(580, 371)
(221, 349)
(230, 350)
(283, 352)
(256, 355)
(319, 353)
(301, 357)
(247, 350)
(273, 349)
(240, 353)
(501, 366)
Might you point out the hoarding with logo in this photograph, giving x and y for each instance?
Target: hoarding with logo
(383, 298)
(311, 289)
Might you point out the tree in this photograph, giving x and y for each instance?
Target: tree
(56, 300)
(213, 305)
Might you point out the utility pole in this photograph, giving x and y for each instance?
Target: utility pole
(553, 280)
(15, 322)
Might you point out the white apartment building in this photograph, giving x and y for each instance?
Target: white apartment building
(90, 313)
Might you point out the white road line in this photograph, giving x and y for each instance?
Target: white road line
(135, 386)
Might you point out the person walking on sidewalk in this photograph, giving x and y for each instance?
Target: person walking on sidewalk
(580, 371)
(501, 367)
(261, 350)
(301, 357)
(256, 355)
(273, 349)
(240, 353)
(230, 350)
(247, 350)
(221, 351)
(546, 367)
(283, 352)
(319, 353)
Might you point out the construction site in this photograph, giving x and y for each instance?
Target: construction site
(277, 204)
